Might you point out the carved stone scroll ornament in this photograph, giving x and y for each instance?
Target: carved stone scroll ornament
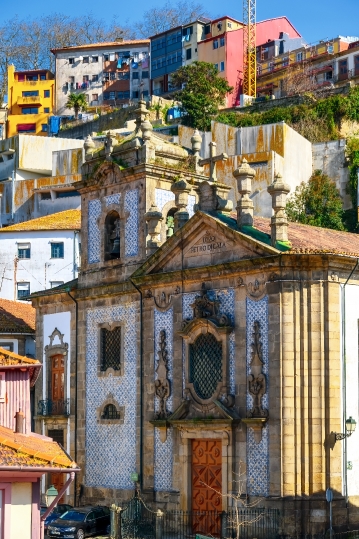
(162, 384)
(206, 308)
(257, 384)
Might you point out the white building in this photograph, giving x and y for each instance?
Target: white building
(107, 73)
(39, 254)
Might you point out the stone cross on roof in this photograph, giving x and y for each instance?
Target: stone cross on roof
(212, 160)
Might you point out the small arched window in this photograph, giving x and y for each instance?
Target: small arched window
(205, 365)
(110, 412)
(112, 235)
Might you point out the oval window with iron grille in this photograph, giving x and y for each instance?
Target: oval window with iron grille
(205, 365)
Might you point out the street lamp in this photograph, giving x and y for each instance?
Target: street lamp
(350, 425)
(51, 495)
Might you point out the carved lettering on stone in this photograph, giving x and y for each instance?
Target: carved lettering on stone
(162, 384)
(257, 384)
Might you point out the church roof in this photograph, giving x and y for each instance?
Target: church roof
(63, 220)
(32, 451)
(10, 360)
(16, 317)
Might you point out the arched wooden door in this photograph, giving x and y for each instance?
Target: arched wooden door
(57, 383)
(206, 486)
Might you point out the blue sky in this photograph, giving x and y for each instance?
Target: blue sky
(314, 19)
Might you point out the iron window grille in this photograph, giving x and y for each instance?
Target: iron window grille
(57, 250)
(110, 349)
(205, 365)
(110, 412)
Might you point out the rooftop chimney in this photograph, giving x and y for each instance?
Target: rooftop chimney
(244, 175)
(19, 422)
(119, 39)
(279, 222)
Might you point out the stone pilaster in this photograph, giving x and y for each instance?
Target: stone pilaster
(244, 176)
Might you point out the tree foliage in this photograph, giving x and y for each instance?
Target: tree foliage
(77, 102)
(159, 19)
(203, 92)
(317, 203)
(27, 43)
(318, 120)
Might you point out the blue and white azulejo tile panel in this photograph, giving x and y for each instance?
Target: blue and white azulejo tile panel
(93, 236)
(111, 449)
(226, 306)
(113, 199)
(257, 453)
(132, 222)
(162, 196)
(191, 203)
(163, 457)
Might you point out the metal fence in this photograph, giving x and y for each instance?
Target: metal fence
(136, 521)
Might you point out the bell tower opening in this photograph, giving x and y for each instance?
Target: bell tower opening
(112, 235)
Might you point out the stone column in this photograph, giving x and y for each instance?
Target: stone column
(244, 176)
(180, 190)
(279, 222)
(153, 219)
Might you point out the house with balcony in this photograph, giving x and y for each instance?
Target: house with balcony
(31, 99)
(326, 63)
(39, 254)
(25, 457)
(172, 49)
(223, 47)
(112, 73)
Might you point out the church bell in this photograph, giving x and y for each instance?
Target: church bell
(115, 251)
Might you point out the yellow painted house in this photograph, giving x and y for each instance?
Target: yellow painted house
(31, 97)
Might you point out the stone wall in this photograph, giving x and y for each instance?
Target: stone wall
(105, 122)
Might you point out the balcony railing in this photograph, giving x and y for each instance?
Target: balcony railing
(50, 407)
(33, 100)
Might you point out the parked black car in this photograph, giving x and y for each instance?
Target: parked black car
(57, 511)
(80, 523)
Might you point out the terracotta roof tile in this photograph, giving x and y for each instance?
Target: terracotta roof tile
(64, 220)
(10, 359)
(16, 317)
(118, 44)
(313, 239)
(31, 450)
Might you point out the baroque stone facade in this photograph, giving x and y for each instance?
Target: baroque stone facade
(215, 339)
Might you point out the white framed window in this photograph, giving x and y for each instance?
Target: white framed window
(53, 284)
(2, 386)
(23, 290)
(10, 344)
(71, 60)
(299, 56)
(23, 250)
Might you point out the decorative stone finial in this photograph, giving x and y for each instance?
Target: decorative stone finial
(196, 141)
(89, 147)
(141, 114)
(244, 175)
(279, 222)
(108, 146)
(153, 219)
(146, 129)
(180, 189)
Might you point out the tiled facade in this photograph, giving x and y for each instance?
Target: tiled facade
(163, 451)
(131, 227)
(93, 233)
(162, 197)
(258, 453)
(111, 449)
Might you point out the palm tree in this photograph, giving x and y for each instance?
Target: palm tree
(78, 102)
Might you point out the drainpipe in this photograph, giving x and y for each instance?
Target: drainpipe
(76, 364)
(344, 363)
(141, 386)
(50, 508)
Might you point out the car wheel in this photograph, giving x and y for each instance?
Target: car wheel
(80, 534)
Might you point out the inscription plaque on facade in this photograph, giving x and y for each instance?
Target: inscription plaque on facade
(207, 244)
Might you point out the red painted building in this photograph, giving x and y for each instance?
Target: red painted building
(224, 47)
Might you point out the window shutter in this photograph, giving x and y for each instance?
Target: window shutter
(2, 387)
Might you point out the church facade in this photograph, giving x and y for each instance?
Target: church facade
(200, 343)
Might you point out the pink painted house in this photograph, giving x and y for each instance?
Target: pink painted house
(24, 456)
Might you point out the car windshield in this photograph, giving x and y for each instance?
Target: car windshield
(73, 515)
